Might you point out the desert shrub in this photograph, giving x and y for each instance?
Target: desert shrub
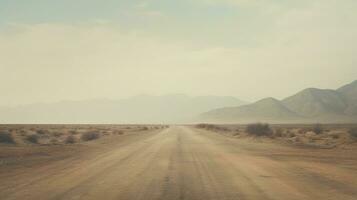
(57, 134)
(6, 137)
(317, 128)
(259, 129)
(335, 136)
(41, 132)
(73, 132)
(145, 128)
(298, 139)
(236, 133)
(32, 138)
(291, 134)
(205, 126)
(90, 136)
(353, 132)
(212, 127)
(70, 139)
(23, 134)
(119, 132)
(219, 128)
(302, 130)
(53, 141)
(278, 132)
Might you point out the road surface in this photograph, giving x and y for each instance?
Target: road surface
(186, 163)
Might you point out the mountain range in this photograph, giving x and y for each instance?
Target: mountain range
(176, 108)
(311, 105)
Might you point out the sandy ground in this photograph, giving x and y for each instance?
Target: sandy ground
(182, 163)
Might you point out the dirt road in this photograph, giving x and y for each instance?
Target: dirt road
(186, 163)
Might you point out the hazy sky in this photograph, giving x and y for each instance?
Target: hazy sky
(53, 50)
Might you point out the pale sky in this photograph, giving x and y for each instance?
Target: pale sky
(54, 50)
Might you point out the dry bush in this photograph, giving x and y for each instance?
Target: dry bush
(205, 126)
(90, 136)
(335, 136)
(53, 141)
(236, 133)
(57, 134)
(303, 130)
(278, 132)
(42, 132)
(317, 128)
(212, 127)
(6, 137)
(291, 134)
(353, 132)
(119, 132)
(70, 139)
(32, 138)
(259, 129)
(298, 140)
(145, 128)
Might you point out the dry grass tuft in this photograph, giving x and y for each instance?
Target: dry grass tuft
(6, 137)
(70, 139)
(259, 129)
(90, 136)
(33, 138)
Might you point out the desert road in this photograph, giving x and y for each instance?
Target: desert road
(186, 163)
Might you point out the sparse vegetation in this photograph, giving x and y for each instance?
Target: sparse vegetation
(6, 137)
(302, 130)
(70, 139)
(335, 136)
(278, 132)
(90, 136)
(42, 132)
(317, 129)
(236, 133)
(315, 134)
(53, 141)
(57, 134)
(353, 132)
(259, 129)
(212, 127)
(32, 138)
(205, 126)
(119, 132)
(291, 134)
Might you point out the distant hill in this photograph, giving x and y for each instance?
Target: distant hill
(314, 102)
(349, 93)
(265, 109)
(309, 105)
(137, 109)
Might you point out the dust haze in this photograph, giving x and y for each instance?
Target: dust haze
(178, 100)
